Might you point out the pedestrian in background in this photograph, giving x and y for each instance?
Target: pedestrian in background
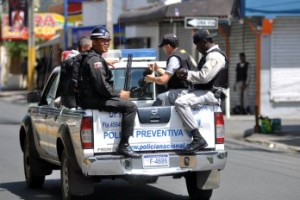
(24, 67)
(241, 85)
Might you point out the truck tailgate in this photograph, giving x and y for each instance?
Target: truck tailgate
(154, 133)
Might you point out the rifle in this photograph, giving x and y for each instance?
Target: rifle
(128, 73)
(48, 66)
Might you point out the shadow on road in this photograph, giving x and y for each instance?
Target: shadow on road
(106, 190)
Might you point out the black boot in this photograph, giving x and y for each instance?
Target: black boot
(198, 143)
(124, 149)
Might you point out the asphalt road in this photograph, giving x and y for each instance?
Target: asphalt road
(251, 173)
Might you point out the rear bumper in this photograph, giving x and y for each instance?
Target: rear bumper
(118, 165)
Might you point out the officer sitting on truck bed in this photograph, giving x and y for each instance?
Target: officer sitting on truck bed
(210, 82)
(178, 58)
(97, 89)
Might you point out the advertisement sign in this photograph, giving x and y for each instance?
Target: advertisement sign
(17, 14)
(78, 32)
(45, 26)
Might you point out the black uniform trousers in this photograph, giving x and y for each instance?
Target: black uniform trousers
(128, 110)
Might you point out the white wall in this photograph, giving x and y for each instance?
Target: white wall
(268, 108)
(148, 31)
(94, 13)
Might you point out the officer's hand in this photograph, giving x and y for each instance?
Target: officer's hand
(111, 63)
(149, 78)
(124, 94)
(182, 73)
(153, 67)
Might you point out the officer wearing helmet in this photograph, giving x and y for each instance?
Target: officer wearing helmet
(210, 81)
(97, 89)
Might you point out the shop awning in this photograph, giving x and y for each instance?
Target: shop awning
(54, 40)
(270, 8)
(205, 8)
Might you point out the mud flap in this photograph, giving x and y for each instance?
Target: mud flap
(80, 185)
(208, 179)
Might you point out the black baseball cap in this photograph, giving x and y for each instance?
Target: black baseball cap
(170, 39)
(201, 34)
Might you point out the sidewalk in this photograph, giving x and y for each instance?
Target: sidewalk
(237, 127)
(15, 96)
(241, 127)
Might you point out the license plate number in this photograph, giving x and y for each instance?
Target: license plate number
(152, 161)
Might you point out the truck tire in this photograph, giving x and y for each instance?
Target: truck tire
(32, 181)
(193, 190)
(64, 177)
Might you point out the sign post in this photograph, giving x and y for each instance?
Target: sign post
(201, 22)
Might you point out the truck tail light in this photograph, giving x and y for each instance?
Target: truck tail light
(86, 133)
(220, 129)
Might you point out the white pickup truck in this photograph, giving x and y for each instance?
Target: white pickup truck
(82, 143)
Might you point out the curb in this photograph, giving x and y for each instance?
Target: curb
(271, 142)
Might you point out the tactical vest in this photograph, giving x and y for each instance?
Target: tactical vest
(185, 62)
(220, 80)
(241, 72)
(87, 89)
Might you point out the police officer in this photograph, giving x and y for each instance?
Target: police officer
(84, 44)
(210, 81)
(97, 89)
(178, 58)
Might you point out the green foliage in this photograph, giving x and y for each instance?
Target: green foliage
(17, 48)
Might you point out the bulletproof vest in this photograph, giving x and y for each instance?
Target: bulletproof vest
(185, 62)
(87, 89)
(241, 72)
(68, 85)
(220, 80)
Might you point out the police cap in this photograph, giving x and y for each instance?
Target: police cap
(170, 39)
(201, 34)
(100, 32)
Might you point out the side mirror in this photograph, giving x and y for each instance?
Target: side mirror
(33, 96)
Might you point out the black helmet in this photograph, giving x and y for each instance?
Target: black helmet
(100, 32)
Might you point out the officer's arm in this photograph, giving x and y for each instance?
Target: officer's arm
(103, 88)
(214, 63)
(161, 80)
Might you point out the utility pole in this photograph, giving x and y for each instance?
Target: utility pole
(31, 46)
(109, 20)
(66, 24)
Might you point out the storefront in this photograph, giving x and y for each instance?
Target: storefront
(278, 66)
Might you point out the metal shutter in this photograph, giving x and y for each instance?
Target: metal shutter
(285, 54)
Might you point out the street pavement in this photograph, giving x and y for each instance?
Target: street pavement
(238, 128)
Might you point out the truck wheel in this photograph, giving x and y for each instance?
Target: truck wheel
(193, 190)
(32, 180)
(64, 177)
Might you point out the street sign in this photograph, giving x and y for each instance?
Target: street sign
(201, 22)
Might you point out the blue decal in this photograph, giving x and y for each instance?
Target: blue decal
(105, 124)
(144, 147)
(111, 135)
(111, 124)
(159, 133)
(115, 115)
(199, 122)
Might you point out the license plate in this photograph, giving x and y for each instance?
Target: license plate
(152, 161)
